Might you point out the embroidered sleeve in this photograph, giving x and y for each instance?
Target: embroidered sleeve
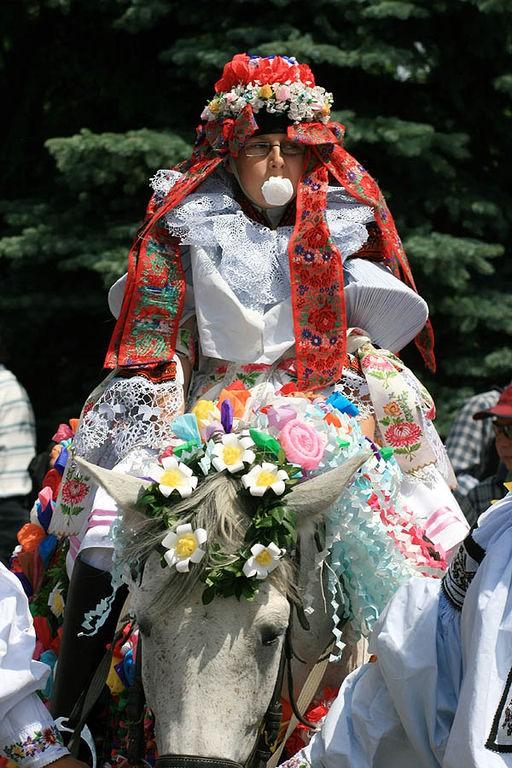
(29, 736)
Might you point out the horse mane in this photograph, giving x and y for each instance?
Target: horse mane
(218, 507)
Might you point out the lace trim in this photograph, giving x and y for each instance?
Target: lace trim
(128, 412)
(245, 252)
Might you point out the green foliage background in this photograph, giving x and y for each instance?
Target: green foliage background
(101, 93)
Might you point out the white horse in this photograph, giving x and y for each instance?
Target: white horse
(210, 671)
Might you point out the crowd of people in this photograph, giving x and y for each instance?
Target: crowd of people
(268, 274)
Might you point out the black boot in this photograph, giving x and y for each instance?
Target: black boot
(80, 656)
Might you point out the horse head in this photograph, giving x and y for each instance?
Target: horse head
(210, 670)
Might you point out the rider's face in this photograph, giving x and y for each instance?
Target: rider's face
(282, 159)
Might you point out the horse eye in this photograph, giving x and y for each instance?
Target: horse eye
(270, 635)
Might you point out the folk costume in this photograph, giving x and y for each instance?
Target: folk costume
(307, 296)
(28, 735)
(439, 693)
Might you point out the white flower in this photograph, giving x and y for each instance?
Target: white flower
(232, 452)
(56, 601)
(264, 476)
(263, 560)
(184, 547)
(173, 475)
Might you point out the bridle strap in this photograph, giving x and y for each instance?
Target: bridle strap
(191, 761)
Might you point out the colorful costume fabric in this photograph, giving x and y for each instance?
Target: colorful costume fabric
(28, 735)
(438, 694)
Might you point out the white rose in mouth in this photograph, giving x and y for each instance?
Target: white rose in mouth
(277, 191)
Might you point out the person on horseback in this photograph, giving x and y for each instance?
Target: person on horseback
(269, 255)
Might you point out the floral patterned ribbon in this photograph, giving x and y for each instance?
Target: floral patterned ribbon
(146, 331)
(399, 415)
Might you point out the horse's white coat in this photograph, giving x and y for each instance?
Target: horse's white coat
(209, 671)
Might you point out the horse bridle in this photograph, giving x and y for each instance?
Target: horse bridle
(269, 728)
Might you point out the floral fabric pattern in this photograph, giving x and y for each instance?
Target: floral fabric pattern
(34, 744)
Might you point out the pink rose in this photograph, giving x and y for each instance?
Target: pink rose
(302, 444)
(282, 93)
(404, 433)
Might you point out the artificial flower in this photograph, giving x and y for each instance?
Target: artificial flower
(302, 444)
(56, 601)
(184, 547)
(205, 411)
(238, 395)
(173, 475)
(280, 415)
(30, 536)
(264, 476)
(232, 452)
(265, 92)
(263, 560)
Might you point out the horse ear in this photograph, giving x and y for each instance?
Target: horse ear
(124, 489)
(312, 497)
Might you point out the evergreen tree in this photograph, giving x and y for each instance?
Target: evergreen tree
(103, 93)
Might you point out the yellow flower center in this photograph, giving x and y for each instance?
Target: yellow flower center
(186, 545)
(266, 478)
(214, 106)
(265, 92)
(172, 477)
(203, 409)
(264, 558)
(57, 604)
(231, 454)
(326, 110)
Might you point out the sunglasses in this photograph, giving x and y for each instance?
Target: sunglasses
(503, 429)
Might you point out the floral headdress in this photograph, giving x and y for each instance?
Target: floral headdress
(146, 330)
(278, 84)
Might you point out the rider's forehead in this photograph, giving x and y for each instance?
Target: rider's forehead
(263, 137)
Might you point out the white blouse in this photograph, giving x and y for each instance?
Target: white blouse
(28, 735)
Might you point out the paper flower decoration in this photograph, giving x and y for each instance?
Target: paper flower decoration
(263, 560)
(173, 475)
(264, 476)
(56, 601)
(232, 452)
(184, 547)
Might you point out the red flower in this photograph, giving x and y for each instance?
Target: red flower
(235, 71)
(369, 187)
(74, 491)
(52, 480)
(323, 319)
(404, 433)
(243, 70)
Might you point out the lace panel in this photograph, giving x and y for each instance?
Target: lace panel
(247, 253)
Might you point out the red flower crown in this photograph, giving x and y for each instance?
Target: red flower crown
(244, 69)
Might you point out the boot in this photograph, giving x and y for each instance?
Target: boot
(79, 656)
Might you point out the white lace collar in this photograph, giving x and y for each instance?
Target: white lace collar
(249, 255)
